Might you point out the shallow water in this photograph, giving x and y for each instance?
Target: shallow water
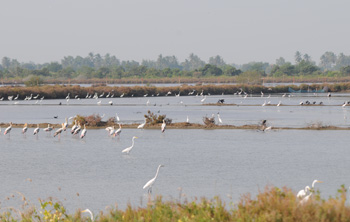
(198, 163)
(206, 163)
(132, 110)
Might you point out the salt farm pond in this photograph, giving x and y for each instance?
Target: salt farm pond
(93, 173)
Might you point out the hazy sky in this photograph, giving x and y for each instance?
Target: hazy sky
(239, 30)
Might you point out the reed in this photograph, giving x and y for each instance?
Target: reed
(271, 204)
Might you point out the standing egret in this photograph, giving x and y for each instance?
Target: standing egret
(25, 128)
(187, 120)
(306, 198)
(220, 121)
(302, 193)
(36, 130)
(118, 131)
(117, 117)
(127, 150)
(150, 183)
(202, 100)
(163, 126)
(83, 133)
(8, 129)
(279, 103)
(91, 215)
(142, 125)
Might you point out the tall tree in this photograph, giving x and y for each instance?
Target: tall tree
(280, 61)
(6, 62)
(217, 61)
(297, 57)
(327, 60)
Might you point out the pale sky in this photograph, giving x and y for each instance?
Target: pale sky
(240, 31)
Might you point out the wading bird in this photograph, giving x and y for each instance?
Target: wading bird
(150, 183)
(306, 198)
(83, 133)
(25, 128)
(142, 125)
(65, 124)
(127, 150)
(118, 131)
(220, 121)
(48, 128)
(36, 130)
(91, 215)
(8, 129)
(302, 193)
(59, 131)
(163, 126)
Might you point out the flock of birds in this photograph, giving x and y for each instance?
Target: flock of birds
(76, 129)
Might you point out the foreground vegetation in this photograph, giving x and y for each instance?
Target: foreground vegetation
(272, 204)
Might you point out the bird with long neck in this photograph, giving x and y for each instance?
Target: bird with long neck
(83, 133)
(91, 215)
(36, 130)
(8, 129)
(150, 183)
(127, 150)
(118, 131)
(25, 128)
(163, 126)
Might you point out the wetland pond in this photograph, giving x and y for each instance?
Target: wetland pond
(93, 173)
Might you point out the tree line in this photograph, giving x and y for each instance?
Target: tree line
(95, 66)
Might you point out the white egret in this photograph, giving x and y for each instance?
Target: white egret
(110, 102)
(264, 104)
(111, 132)
(25, 128)
(36, 130)
(306, 198)
(127, 150)
(302, 193)
(16, 97)
(89, 211)
(83, 133)
(187, 120)
(163, 126)
(279, 103)
(109, 128)
(150, 183)
(118, 131)
(99, 102)
(117, 117)
(142, 125)
(67, 97)
(220, 120)
(8, 129)
(202, 100)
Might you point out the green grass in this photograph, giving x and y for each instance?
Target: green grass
(272, 204)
